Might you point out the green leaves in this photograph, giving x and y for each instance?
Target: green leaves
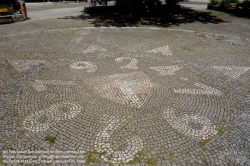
(2, 6)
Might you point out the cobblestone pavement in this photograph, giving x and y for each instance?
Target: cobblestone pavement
(138, 96)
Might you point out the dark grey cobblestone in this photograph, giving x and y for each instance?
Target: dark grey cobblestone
(127, 95)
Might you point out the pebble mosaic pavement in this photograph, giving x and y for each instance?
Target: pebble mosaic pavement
(144, 96)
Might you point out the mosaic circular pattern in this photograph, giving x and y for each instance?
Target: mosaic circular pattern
(40, 121)
(66, 110)
(128, 95)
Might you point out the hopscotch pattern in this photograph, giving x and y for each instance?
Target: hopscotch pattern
(40, 121)
(131, 65)
(94, 48)
(232, 71)
(39, 85)
(164, 50)
(166, 70)
(84, 65)
(181, 124)
(76, 44)
(24, 65)
(135, 144)
(205, 90)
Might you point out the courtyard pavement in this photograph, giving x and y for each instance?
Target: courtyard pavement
(72, 93)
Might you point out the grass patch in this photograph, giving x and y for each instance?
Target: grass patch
(21, 92)
(50, 139)
(151, 161)
(8, 148)
(171, 154)
(224, 88)
(103, 153)
(242, 145)
(177, 154)
(137, 157)
(218, 14)
(224, 120)
(91, 158)
(220, 130)
(2, 163)
(94, 157)
(203, 142)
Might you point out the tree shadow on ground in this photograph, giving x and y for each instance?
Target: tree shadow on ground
(236, 12)
(161, 17)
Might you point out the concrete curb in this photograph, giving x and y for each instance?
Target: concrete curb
(205, 1)
(38, 3)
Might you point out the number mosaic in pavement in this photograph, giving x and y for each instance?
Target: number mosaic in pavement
(127, 95)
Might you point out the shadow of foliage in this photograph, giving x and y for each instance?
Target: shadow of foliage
(234, 11)
(163, 16)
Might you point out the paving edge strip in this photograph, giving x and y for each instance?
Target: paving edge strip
(139, 28)
(70, 29)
